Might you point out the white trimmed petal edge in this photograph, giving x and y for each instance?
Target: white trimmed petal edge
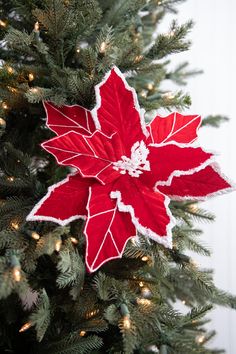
(120, 254)
(141, 111)
(217, 169)
(163, 240)
(178, 173)
(76, 125)
(32, 217)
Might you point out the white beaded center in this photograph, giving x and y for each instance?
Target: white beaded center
(136, 163)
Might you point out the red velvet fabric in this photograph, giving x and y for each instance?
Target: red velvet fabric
(66, 199)
(107, 229)
(126, 171)
(66, 118)
(175, 127)
(198, 185)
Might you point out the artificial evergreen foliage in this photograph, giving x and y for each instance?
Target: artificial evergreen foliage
(58, 50)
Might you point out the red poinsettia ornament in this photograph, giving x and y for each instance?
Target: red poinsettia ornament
(126, 170)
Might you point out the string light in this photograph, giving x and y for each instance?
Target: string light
(36, 32)
(150, 86)
(78, 50)
(183, 302)
(16, 271)
(200, 339)
(126, 322)
(92, 313)
(138, 58)
(168, 95)
(4, 105)
(25, 327)
(58, 245)
(35, 236)
(3, 23)
(36, 26)
(143, 93)
(34, 90)
(10, 178)
(103, 47)
(31, 76)
(141, 284)
(193, 207)
(74, 240)
(10, 70)
(15, 225)
(145, 258)
(16, 268)
(134, 241)
(82, 333)
(2, 122)
(136, 37)
(12, 89)
(144, 302)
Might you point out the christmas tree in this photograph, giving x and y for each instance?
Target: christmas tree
(55, 54)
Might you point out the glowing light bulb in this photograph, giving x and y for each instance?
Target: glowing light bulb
(183, 302)
(144, 302)
(2, 122)
(25, 327)
(150, 86)
(10, 70)
(126, 322)
(34, 90)
(78, 50)
(82, 333)
(145, 258)
(36, 26)
(138, 58)
(15, 225)
(35, 236)
(141, 284)
(3, 23)
(143, 93)
(31, 76)
(103, 47)
(58, 245)
(193, 208)
(134, 241)
(168, 95)
(10, 179)
(4, 105)
(92, 313)
(16, 273)
(12, 89)
(74, 240)
(200, 339)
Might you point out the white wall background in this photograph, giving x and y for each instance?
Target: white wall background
(214, 51)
